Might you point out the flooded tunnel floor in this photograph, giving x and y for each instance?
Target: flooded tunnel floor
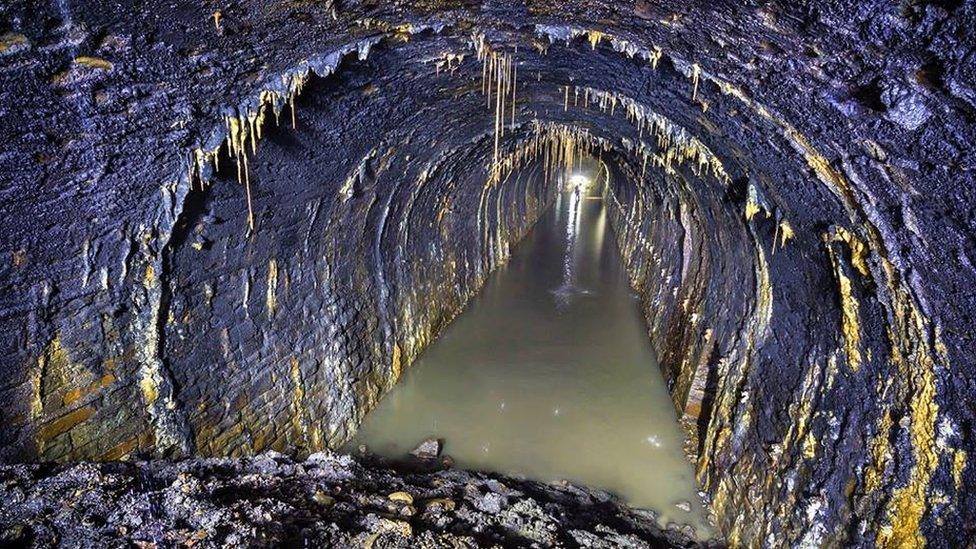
(549, 374)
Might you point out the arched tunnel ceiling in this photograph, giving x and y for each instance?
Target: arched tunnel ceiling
(792, 187)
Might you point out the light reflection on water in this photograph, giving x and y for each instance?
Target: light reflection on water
(549, 374)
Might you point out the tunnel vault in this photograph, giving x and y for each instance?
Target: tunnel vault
(242, 227)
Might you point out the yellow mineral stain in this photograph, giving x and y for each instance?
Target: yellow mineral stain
(78, 393)
(150, 389)
(958, 466)
(821, 166)
(65, 423)
(880, 455)
(316, 436)
(149, 277)
(54, 359)
(849, 305)
(395, 365)
(858, 249)
(298, 399)
(908, 504)
(120, 451)
(718, 434)
(93, 62)
(809, 446)
(849, 320)
(911, 347)
(752, 209)
(763, 312)
(12, 40)
(785, 232)
(402, 497)
(801, 410)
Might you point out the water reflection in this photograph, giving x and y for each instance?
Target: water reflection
(564, 292)
(549, 373)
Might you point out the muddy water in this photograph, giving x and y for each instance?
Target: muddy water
(549, 373)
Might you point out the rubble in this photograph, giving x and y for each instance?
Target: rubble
(327, 500)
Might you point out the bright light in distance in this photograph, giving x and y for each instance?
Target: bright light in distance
(579, 180)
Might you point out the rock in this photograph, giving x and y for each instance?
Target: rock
(402, 497)
(684, 506)
(12, 43)
(264, 464)
(438, 504)
(95, 63)
(322, 498)
(491, 503)
(428, 449)
(229, 504)
(905, 105)
(319, 456)
(499, 488)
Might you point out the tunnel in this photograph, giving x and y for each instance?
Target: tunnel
(230, 228)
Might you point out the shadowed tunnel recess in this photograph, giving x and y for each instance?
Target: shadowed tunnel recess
(330, 192)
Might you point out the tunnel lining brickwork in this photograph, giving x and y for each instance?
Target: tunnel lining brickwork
(808, 272)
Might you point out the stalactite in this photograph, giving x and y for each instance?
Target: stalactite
(449, 62)
(559, 146)
(243, 131)
(753, 205)
(499, 73)
(675, 145)
(786, 232)
(655, 56)
(594, 37)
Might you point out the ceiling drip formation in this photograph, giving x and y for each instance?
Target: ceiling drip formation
(248, 220)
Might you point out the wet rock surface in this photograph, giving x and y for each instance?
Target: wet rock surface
(329, 499)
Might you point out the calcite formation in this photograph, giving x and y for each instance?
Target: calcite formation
(229, 227)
